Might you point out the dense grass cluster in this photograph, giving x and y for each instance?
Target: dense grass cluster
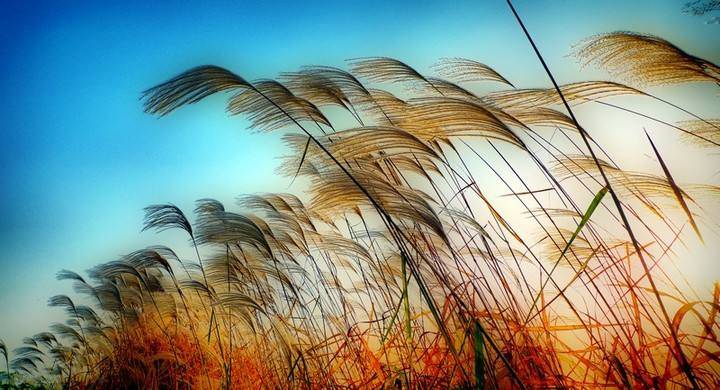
(397, 264)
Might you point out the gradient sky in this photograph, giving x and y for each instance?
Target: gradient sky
(79, 159)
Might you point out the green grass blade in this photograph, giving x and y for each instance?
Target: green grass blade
(585, 218)
(479, 355)
(395, 314)
(406, 301)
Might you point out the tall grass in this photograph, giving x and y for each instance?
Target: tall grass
(395, 263)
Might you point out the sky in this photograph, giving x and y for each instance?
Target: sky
(79, 159)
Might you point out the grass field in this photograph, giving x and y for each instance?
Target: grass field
(434, 236)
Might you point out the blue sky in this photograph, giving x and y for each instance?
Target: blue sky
(79, 159)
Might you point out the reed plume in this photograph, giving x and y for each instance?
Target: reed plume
(646, 59)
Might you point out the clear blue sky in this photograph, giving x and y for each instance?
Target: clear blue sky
(79, 159)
